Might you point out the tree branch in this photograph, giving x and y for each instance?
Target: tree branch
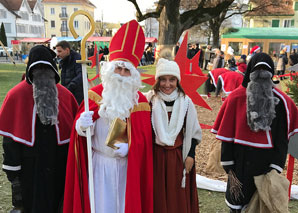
(141, 17)
(199, 15)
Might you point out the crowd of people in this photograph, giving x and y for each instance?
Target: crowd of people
(151, 165)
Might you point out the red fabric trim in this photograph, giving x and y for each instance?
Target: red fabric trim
(17, 114)
(290, 172)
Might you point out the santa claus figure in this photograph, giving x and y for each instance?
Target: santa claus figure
(35, 120)
(123, 177)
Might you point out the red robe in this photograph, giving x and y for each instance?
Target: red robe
(230, 81)
(231, 123)
(18, 114)
(139, 184)
(215, 73)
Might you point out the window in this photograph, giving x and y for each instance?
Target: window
(53, 35)
(296, 6)
(52, 11)
(24, 15)
(3, 13)
(75, 9)
(287, 23)
(63, 10)
(7, 27)
(64, 26)
(36, 17)
(294, 46)
(237, 47)
(275, 23)
(52, 24)
(275, 47)
(76, 24)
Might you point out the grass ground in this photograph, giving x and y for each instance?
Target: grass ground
(210, 202)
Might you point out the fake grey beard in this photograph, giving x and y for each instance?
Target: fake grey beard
(260, 101)
(45, 95)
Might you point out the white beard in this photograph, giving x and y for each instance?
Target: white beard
(120, 93)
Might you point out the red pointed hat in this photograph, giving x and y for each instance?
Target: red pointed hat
(128, 43)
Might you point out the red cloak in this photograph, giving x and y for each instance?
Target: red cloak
(18, 114)
(139, 184)
(230, 81)
(231, 123)
(215, 73)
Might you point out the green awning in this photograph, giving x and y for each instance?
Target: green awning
(264, 33)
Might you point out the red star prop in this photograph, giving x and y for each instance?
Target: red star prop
(190, 66)
(93, 58)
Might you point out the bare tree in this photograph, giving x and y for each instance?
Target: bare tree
(173, 20)
(241, 8)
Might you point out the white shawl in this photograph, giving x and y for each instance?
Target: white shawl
(166, 131)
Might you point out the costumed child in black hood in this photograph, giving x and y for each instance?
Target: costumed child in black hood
(254, 125)
(35, 121)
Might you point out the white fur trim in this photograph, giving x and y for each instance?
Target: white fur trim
(277, 167)
(233, 206)
(11, 168)
(41, 62)
(227, 163)
(262, 63)
(248, 143)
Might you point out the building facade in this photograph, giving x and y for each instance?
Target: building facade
(58, 12)
(22, 19)
(284, 14)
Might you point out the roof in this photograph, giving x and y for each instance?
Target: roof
(264, 33)
(95, 38)
(69, 1)
(12, 5)
(31, 4)
(282, 8)
(36, 40)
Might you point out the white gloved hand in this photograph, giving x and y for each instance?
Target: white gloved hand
(85, 120)
(122, 151)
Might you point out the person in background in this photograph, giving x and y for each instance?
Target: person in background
(231, 60)
(201, 59)
(254, 138)
(176, 134)
(192, 51)
(36, 118)
(254, 50)
(282, 62)
(177, 47)
(293, 58)
(241, 64)
(219, 61)
(71, 71)
(123, 177)
(207, 56)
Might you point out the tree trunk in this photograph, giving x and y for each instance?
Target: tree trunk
(215, 37)
(169, 31)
